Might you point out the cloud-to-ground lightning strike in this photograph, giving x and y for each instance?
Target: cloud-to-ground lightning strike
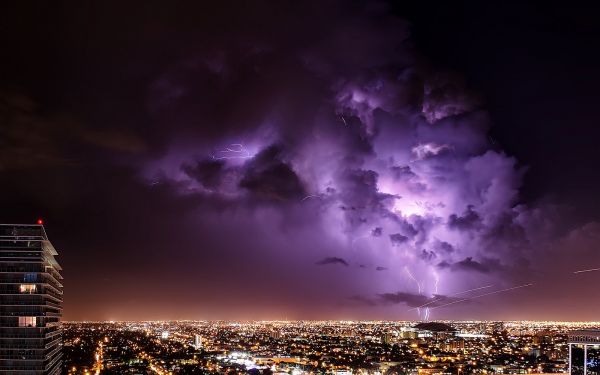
(437, 282)
(436, 279)
(413, 278)
(587, 270)
(452, 295)
(484, 295)
(425, 305)
(419, 288)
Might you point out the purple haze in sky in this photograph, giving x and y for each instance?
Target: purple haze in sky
(301, 159)
(358, 174)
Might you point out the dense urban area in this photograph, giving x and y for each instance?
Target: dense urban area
(332, 347)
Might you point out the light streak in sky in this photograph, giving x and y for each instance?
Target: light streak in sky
(483, 295)
(588, 270)
(452, 295)
(233, 151)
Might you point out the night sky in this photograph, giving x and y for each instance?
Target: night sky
(324, 159)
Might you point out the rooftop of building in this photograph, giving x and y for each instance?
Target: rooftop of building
(585, 336)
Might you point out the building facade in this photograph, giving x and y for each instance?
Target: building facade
(30, 302)
(584, 352)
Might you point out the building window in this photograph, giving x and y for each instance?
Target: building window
(27, 321)
(27, 288)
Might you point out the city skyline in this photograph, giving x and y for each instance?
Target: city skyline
(332, 347)
(372, 160)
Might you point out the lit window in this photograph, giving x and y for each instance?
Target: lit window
(27, 321)
(27, 288)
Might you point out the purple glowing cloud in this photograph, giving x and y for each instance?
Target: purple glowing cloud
(388, 167)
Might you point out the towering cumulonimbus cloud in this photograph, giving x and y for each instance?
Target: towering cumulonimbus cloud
(360, 161)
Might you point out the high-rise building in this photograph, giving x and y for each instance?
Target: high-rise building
(584, 352)
(30, 302)
(197, 342)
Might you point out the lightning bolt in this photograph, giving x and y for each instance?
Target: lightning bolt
(310, 196)
(410, 275)
(436, 284)
(233, 151)
(413, 278)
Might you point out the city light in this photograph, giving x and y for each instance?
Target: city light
(334, 347)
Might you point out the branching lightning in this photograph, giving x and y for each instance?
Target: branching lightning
(233, 151)
(413, 279)
(419, 288)
(310, 196)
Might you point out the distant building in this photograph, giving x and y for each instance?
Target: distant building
(30, 302)
(454, 345)
(197, 342)
(275, 334)
(408, 333)
(388, 338)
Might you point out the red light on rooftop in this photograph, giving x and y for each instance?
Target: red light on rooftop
(40, 221)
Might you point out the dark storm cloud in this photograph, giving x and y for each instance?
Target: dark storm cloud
(469, 265)
(410, 299)
(360, 190)
(403, 172)
(447, 95)
(444, 247)
(398, 239)
(30, 138)
(206, 172)
(417, 300)
(468, 220)
(427, 255)
(332, 260)
(268, 177)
